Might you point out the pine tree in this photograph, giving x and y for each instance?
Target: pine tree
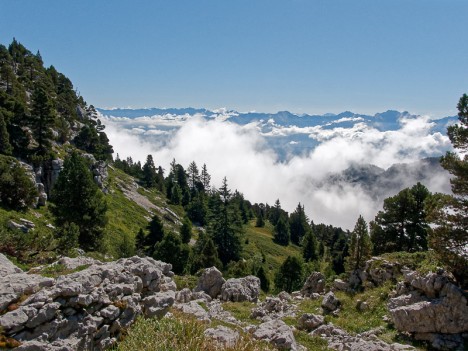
(264, 280)
(281, 231)
(5, 146)
(193, 176)
(156, 233)
(205, 178)
(77, 199)
(140, 241)
(186, 231)
(448, 214)
(149, 173)
(171, 250)
(298, 224)
(43, 119)
(309, 247)
(290, 275)
(260, 223)
(360, 248)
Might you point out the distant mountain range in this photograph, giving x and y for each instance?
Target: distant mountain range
(285, 132)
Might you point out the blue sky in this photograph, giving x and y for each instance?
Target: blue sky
(305, 56)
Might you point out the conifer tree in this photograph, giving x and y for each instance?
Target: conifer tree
(260, 223)
(281, 231)
(149, 172)
(77, 199)
(205, 178)
(360, 248)
(140, 241)
(156, 233)
(171, 250)
(264, 281)
(5, 146)
(309, 247)
(448, 214)
(290, 275)
(186, 231)
(43, 119)
(298, 224)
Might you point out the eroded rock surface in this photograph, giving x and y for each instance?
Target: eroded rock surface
(431, 307)
(210, 282)
(86, 310)
(278, 333)
(315, 284)
(241, 289)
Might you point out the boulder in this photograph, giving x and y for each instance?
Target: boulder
(330, 302)
(432, 307)
(278, 333)
(210, 282)
(340, 285)
(241, 289)
(223, 335)
(309, 321)
(194, 309)
(315, 284)
(275, 308)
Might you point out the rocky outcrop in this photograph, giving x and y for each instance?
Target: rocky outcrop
(278, 333)
(274, 308)
(83, 310)
(315, 284)
(241, 289)
(430, 307)
(375, 272)
(338, 339)
(210, 282)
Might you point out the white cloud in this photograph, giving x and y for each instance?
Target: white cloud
(242, 155)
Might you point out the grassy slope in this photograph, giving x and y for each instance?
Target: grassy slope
(260, 240)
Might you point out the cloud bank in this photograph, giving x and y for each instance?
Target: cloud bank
(242, 154)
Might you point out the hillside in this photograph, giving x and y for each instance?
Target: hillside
(93, 241)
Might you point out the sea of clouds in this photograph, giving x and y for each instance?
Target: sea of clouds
(243, 155)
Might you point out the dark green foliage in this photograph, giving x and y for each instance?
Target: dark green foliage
(298, 225)
(171, 250)
(225, 225)
(264, 280)
(17, 190)
(197, 209)
(67, 236)
(205, 178)
(448, 214)
(156, 233)
(402, 225)
(274, 213)
(42, 120)
(126, 247)
(360, 247)
(260, 222)
(309, 247)
(204, 254)
(77, 199)
(186, 231)
(290, 275)
(94, 142)
(140, 241)
(5, 146)
(281, 231)
(150, 175)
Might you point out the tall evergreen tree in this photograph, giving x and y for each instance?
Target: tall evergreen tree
(205, 178)
(298, 224)
(309, 247)
(275, 212)
(360, 248)
(186, 231)
(43, 119)
(290, 275)
(448, 214)
(281, 231)
(140, 242)
(77, 199)
(149, 173)
(5, 146)
(193, 176)
(156, 233)
(171, 250)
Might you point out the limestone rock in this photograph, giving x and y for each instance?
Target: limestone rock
(274, 308)
(210, 282)
(309, 321)
(85, 310)
(194, 309)
(278, 333)
(241, 289)
(330, 302)
(223, 335)
(432, 307)
(315, 283)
